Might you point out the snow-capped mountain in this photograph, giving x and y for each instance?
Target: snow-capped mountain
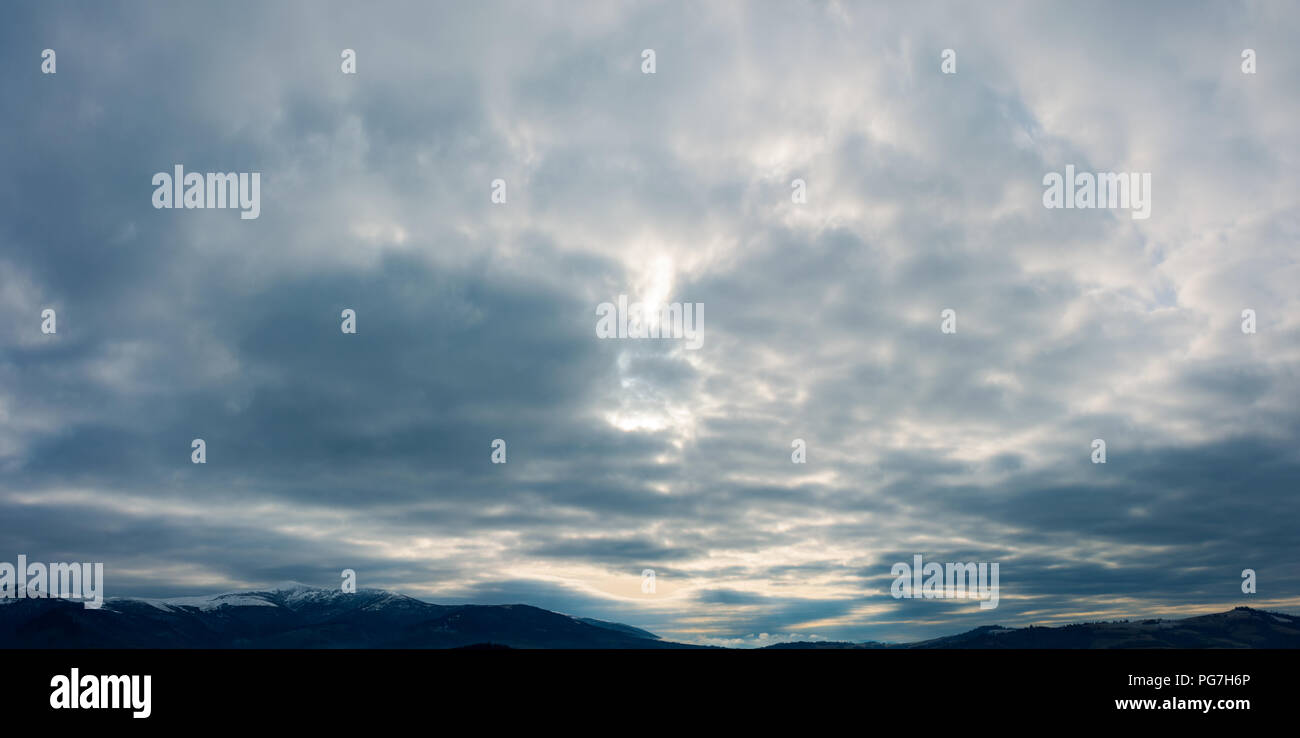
(303, 617)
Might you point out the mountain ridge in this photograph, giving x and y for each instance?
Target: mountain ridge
(1241, 627)
(304, 617)
(300, 616)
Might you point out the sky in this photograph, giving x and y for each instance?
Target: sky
(476, 320)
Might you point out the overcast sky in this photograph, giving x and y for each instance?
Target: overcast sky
(476, 321)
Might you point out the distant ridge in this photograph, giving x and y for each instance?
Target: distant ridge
(1242, 627)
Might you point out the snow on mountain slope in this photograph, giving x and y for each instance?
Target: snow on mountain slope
(298, 616)
(292, 597)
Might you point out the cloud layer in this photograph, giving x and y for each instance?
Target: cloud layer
(476, 321)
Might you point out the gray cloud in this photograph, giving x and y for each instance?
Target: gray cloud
(475, 321)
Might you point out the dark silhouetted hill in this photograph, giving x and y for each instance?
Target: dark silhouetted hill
(1242, 627)
(304, 617)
